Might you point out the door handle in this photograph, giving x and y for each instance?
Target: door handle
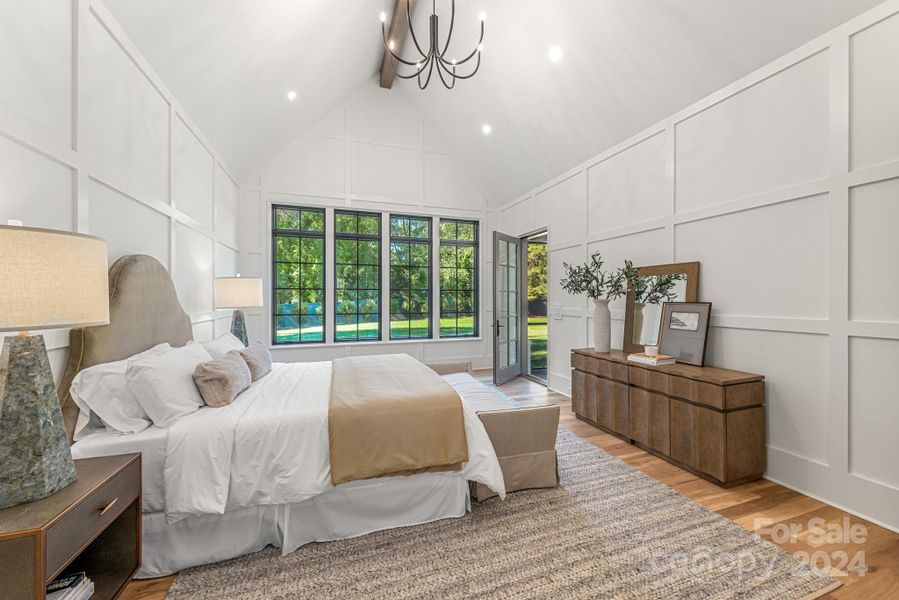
(496, 326)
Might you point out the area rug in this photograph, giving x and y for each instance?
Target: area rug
(608, 531)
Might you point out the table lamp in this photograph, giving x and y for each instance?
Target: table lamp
(51, 279)
(237, 293)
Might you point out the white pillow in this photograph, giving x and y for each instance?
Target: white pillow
(222, 345)
(164, 384)
(102, 395)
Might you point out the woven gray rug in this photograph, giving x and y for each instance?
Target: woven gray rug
(608, 531)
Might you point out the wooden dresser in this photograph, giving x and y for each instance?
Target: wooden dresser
(93, 525)
(708, 420)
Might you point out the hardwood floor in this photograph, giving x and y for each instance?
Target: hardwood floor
(798, 523)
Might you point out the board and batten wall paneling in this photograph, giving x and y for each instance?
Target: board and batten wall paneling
(315, 164)
(795, 368)
(123, 120)
(873, 220)
(559, 207)
(874, 95)
(629, 187)
(372, 152)
(769, 136)
(785, 186)
(765, 261)
(92, 141)
(193, 175)
(111, 209)
(38, 92)
(34, 187)
(873, 410)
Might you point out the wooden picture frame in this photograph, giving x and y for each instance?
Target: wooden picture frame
(691, 295)
(684, 331)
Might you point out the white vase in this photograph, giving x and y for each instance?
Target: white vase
(602, 326)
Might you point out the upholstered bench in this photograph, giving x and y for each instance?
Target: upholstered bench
(524, 438)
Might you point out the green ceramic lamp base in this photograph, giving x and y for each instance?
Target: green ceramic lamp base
(239, 327)
(35, 458)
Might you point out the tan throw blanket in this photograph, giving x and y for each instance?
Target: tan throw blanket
(392, 415)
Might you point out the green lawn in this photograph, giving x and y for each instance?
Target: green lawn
(537, 336)
(415, 328)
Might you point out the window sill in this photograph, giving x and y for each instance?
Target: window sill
(373, 343)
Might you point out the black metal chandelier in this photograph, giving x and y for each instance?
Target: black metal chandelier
(434, 58)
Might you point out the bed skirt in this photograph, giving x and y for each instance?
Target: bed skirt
(354, 510)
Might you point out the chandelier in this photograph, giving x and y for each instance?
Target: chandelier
(435, 57)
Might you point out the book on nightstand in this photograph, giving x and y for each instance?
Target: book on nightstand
(75, 586)
(655, 361)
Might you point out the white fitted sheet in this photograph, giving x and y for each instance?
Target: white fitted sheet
(150, 443)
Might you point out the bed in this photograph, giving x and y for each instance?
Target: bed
(220, 483)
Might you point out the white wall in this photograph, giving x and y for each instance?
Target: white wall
(373, 152)
(785, 186)
(92, 141)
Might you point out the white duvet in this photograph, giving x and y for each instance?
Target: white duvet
(270, 446)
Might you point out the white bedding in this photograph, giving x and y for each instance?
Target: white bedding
(269, 447)
(150, 442)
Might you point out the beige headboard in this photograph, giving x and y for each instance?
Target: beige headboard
(143, 311)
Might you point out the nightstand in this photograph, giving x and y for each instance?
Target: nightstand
(92, 525)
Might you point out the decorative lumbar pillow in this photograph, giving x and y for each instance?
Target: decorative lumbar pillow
(222, 345)
(164, 384)
(258, 359)
(221, 380)
(101, 393)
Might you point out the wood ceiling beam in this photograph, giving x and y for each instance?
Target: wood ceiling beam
(397, 31)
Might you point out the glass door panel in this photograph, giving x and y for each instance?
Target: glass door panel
(535, 291)
(506, 301)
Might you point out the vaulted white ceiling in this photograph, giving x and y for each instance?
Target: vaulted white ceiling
(232, 62)
(626, 65)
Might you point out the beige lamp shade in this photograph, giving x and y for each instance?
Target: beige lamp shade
(52, 279)
(238, 292)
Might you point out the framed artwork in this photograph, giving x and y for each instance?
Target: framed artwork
(684, 331)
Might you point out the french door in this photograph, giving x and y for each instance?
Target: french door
(507, 277)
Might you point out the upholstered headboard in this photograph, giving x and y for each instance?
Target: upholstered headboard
(143, 311)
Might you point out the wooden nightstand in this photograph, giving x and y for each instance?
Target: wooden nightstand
(92, 526)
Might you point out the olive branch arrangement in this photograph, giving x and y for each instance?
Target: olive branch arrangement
(590, 278)
(658, 288)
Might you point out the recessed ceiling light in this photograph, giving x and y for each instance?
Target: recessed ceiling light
(291, 95)
(486, 129)
(555, 54)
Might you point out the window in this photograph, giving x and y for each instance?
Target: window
(458, 278)
(410, 277)
(299, 260)
(298, 251)
(357, 276)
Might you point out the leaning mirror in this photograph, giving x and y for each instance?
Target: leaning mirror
(653, 286)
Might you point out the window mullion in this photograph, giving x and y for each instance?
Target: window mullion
(435, 279)
(330, 283)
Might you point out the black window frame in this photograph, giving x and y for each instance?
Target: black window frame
(430, 290)
(475, 244)
(300, 234)
(359, 237)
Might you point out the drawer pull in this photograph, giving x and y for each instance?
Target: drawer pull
(105, 509)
